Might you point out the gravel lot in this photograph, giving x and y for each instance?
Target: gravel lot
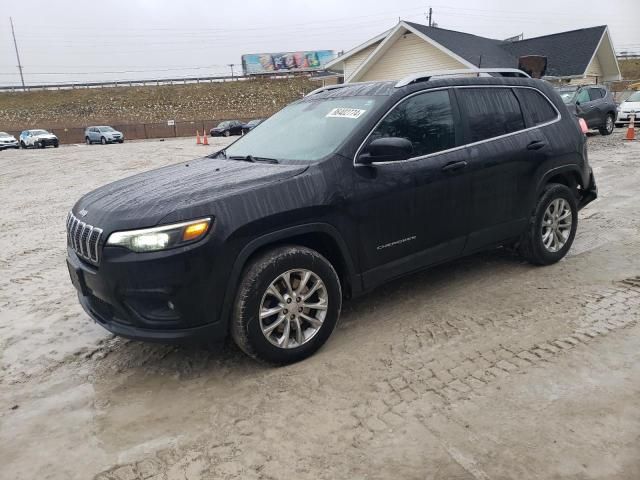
(486, 368)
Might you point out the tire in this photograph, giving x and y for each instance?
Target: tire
(56, 145)
(103, 140)
(268, 269)
(87, 141)
(120, 141)
(22, 145)
(227, 133)
(37, 145)
(532, 246)
(609, 125)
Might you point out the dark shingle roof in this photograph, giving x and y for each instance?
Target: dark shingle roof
(470, 47)
(568, 53)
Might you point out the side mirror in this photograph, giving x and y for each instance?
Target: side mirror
(387, 149)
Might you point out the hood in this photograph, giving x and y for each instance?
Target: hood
(46, 135)
(629, 106)
(143, 200)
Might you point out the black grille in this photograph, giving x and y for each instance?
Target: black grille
(84, 239)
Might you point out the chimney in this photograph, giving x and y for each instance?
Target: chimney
(534, 65)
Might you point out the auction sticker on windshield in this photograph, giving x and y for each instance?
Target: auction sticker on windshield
(345, 113)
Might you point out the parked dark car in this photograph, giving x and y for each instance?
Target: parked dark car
(227, 128)
(247, 127)
(594, 103)
(338, 193)
(8, 141)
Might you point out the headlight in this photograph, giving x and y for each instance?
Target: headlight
(161, 238)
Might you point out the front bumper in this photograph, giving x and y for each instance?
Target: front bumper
(45, 142)
(160, 297)
(5, 146)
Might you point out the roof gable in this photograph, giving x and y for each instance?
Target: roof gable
(479, 51)
(568, 53)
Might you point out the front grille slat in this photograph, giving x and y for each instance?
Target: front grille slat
(84, 239)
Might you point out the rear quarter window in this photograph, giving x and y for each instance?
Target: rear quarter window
(490, 112)
(535, 106)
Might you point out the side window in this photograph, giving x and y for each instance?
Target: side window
(490, 112)
(595, 94)
(583, 96)
(536, 106)
(425, 119)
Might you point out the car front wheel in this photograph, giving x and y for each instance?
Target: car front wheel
(103, 141)
(287, 305)
(552, 227)
(609, 125)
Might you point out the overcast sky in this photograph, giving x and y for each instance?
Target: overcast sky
(64, 40)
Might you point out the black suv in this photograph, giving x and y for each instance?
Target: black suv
(336, 194)
(594, 103)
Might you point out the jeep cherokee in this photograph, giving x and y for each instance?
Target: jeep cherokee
(339, 192)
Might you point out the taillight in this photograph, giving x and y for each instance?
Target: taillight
(583, 125)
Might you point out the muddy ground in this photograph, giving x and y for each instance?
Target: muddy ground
(486, 368)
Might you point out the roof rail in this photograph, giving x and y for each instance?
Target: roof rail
(328, 87)
(480, 72)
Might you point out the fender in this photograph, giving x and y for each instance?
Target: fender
(279, 235)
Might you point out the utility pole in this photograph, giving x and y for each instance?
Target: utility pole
(15, 44)
(231, 65)
(430, 13)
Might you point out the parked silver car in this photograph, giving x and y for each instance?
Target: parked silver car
(8, 141)
(102, 135)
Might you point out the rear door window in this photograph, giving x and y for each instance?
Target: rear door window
(425, 119)
(595, 94)
(535, 106)
(489, 112)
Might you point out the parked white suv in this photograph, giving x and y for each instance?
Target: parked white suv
(626, 108)
(38, 139)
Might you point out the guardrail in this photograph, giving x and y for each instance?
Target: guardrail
(152, 82)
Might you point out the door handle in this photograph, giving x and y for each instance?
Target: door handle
(454, 166)
(536, 145)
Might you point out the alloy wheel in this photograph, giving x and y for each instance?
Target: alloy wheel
(556, 225)
(609, 125)
(293, 308)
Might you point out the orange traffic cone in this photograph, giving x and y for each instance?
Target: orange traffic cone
(631, 131)
(198, 142)
(205, 140)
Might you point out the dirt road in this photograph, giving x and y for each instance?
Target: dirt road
(487, 368)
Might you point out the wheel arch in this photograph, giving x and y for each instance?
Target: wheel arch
(568, 175)
(321, 237)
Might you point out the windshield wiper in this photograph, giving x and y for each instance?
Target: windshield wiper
(252, 159)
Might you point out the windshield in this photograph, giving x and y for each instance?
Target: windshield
(634, 97)
(106, 129)
(306, 131)
(567, 95)
(222, 125)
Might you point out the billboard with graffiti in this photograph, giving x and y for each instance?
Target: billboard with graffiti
(257, 63)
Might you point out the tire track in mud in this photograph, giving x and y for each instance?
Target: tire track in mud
(432, 370)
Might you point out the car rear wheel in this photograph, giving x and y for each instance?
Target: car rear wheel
(552, 227)
(227, 133)
(87, 141)
(609, 125)
(103, 140)
(287, 305)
